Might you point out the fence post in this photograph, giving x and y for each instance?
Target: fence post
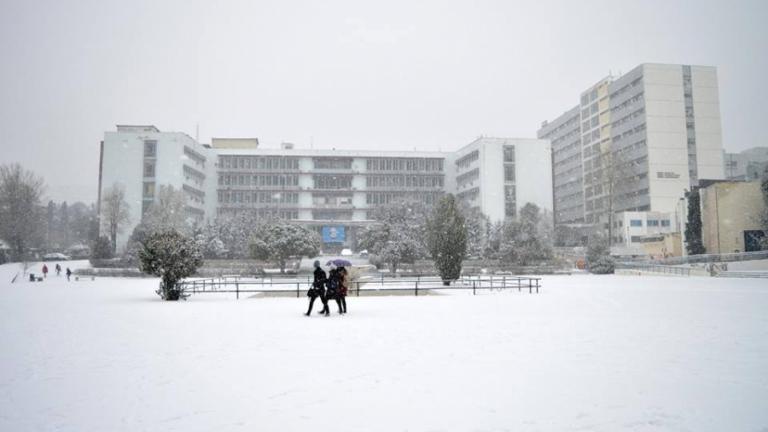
(297, 290)
(530, 288)
(417, 287)
(537, 286)
(473, 287)
(237, 290)
(358, 288)
(503, 282)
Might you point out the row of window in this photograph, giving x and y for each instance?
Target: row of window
(261, 213)
(260, 197)
(332, 163)
(332, 181)
(404, 164)
(379, 198)
(466, 160)
(650, 223)
(469, 195)
(468, 177)
(405, 181)
(258, 180)
(259, 162)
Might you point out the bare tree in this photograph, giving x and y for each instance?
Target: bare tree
(167, 211)
(114, 212)
(617, 173)
(20, 210)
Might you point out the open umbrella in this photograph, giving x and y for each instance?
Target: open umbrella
(338, 262)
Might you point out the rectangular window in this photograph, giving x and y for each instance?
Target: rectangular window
(635, 223)
(665, 222)
(653, 223)
(509, 173)
(509, 153)
(150, 148)
(149, 168)
(149, 190)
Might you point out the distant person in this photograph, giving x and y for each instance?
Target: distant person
(343, 289)
(45, 271)
(69, 273)
(58, 269)
(317, 289)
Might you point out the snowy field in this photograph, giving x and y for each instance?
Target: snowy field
(589, 353)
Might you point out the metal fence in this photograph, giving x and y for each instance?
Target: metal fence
(421, 285)
(712, 258)
(655, 268)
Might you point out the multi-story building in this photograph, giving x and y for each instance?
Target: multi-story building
(498, 176)
(632, 228)
(332, 191)
(646, 137)
(747, 165)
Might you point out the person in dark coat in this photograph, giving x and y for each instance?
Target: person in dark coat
(69, 273)
(343, 289)
(45, 271)
(318, 289)
(58, 269)
(333, 289)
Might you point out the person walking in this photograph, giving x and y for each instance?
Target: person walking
(45, 271)
(69, 273)
(333, 288)
(58, 269)
(343, 288)
(317, 289)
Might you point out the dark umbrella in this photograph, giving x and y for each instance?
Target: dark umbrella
(338, 262)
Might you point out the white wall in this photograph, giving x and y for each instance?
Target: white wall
(706, 112)
(666, 133)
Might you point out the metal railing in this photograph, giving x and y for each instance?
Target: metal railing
(423, 285)
(655, 268)
(710, 258)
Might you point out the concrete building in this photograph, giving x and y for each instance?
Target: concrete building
(747, 165)
(731, 214)
(498, 176)
(633, 228)
(332, 191)
(645, 138)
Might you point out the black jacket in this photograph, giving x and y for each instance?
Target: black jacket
(319, 283)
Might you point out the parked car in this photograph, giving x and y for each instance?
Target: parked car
(364, 253)
(56, 256)
(346, 252)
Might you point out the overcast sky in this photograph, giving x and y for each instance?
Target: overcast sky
(388, 74)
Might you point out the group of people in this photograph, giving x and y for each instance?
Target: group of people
(58, 271)
(334, 286)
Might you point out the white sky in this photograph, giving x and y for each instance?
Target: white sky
(390, 74)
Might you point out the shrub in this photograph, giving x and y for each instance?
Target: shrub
(172, 257)
(602, 265)
(102, 249)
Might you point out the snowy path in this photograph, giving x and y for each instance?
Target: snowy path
(588, 353)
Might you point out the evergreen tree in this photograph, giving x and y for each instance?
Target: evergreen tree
(279, 241)
(599, 259)
(101, 249)
(693, 239)
(64, 224)
(447, 238)
(171, 256)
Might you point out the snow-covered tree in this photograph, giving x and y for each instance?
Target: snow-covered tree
(478, 227)
(171, 256)
(694, 243)
(533, 246)
(102, 249)
(278, 241)
(447, 238)
(764, 190)
(21, 220)
(208, 241)
(599, 259)
(114, 212)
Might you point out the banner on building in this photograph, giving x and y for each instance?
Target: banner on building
(333, 234)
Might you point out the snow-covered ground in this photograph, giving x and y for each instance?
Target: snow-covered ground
(588, 353)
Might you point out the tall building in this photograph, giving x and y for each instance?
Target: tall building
(645, 138)
(331, 191)
(747, 165)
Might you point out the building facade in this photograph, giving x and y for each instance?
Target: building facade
(645, 138)
(731, 214)
(747, 165)
(332, 191)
